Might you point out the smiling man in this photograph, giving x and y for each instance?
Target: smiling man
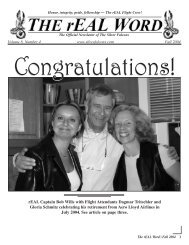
(98, 151)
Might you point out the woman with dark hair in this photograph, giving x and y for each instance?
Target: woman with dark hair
(57, 164)
(144, 165)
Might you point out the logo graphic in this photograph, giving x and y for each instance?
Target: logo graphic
(19, 29)
(169, 29)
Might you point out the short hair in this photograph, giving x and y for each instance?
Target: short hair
(68, 103)
(102, 90)
(144, 130)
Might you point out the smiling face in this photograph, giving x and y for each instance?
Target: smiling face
(125, 127)
(66, 122)
(99, 110)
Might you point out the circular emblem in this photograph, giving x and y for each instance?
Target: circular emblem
(20, 34)
(168, 34)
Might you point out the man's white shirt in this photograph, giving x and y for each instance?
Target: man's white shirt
(99, 154)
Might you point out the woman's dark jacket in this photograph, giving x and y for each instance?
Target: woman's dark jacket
(49, 173)
(151, 172)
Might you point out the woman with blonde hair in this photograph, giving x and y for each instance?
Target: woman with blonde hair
(144, 165)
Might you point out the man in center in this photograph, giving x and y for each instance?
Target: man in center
(98, 151)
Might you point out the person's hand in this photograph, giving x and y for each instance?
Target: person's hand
(23, 163)
(172, 153)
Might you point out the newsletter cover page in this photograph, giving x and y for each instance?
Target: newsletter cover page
(94, 122)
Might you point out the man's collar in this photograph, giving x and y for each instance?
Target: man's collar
(90, 130)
